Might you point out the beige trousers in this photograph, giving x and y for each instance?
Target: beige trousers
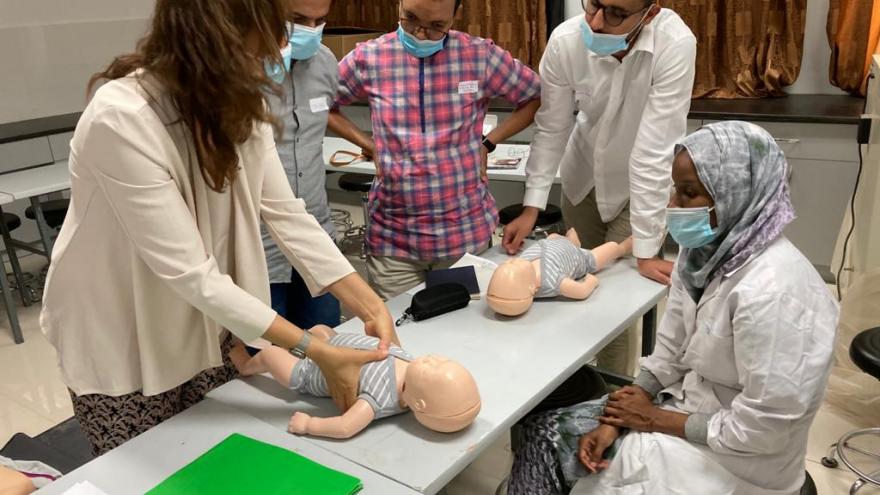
(619, 355)
(391, 277)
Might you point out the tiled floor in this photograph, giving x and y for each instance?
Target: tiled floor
(33, 399)
(32, 396)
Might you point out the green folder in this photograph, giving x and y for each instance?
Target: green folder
(242, 465)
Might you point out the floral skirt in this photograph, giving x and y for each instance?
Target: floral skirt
(108, 421)
(547, 463)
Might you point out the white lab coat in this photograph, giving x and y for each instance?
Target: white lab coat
(754, 357)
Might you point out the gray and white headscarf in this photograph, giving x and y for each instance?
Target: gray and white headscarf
(746, 174)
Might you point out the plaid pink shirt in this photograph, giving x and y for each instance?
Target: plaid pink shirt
(430, 203)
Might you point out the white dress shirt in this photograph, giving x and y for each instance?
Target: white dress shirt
(151, 264)
(630, 114)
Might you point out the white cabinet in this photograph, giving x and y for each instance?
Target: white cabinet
(820, 192)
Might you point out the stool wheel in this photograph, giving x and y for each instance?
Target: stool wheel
(830, 463)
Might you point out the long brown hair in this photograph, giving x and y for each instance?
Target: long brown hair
(196, 48)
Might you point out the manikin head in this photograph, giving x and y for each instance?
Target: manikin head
(513, 287)
(441, 393)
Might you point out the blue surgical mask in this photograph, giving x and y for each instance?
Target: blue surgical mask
(691, 227)
(607, 44)
(419, 48)
(277, 71)
(305, 41)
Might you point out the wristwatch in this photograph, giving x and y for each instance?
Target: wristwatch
(490, 146)
(300, 350)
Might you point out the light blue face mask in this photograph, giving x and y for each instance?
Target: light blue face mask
(419, 48)
(306, 40)
(691, 227)
(276, 71)
(607, 44)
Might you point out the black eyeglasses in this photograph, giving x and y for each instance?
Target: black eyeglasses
(614, 16)
(413, 27)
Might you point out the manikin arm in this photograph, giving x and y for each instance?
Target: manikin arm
(346, 426)
(611, 251)
(573, 289)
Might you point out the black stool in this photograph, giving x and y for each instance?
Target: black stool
(54, 212)
(865, 353)
(8, 223)
(549, 221)
(585, 384)
(359, 183)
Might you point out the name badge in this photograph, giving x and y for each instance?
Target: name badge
(468, 87)
(319, 104)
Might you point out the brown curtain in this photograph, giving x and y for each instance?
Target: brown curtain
(853, 31)
(378, 16)
(745, 48)
(519, 26)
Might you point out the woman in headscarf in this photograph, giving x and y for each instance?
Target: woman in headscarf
(725, 402)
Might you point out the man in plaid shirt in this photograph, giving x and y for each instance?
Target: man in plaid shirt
(429, 89)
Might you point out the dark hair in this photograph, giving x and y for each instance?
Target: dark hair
(196, 49)
(457, 4)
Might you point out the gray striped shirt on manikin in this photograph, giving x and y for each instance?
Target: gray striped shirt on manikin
(560, 259)
(378, 382)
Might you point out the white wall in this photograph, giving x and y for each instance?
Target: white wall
(813, 78)
(572, 8)
(50, 48)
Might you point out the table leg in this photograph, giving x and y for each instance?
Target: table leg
(649, 331)
(42, 226)
(10, 307)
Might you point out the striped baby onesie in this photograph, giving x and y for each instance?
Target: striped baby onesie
(560, 259)
(378, 382)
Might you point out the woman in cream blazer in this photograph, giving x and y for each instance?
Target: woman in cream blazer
(160, 256)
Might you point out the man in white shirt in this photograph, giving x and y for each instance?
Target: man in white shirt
(626, 69)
